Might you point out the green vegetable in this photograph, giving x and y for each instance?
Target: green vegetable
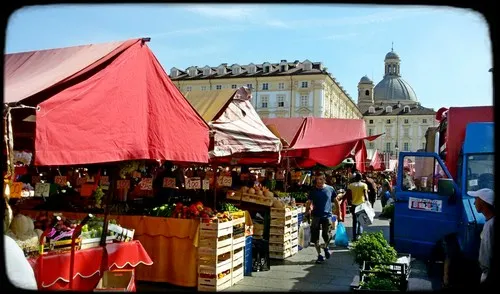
(373, 247)
(224, 206)
(388, 211)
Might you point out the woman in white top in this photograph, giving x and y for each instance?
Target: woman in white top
(19, 271)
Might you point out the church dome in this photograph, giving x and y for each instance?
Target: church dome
(365, 80)
(391, 55)
(394, 88)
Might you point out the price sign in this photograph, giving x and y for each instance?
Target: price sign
(81, 181)
(146, 184)
(122, 184)
(206, 184)
(227, 181)
(219, 181)
(16, 189)
(86, 190)
(42, 189)
(60, 180)
(104, 180)
(136, 175)
(168, 182)
(35, 179)
(244, 176)
(193, 183)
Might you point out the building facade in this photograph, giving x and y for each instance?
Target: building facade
(285, 89)
(391, 107)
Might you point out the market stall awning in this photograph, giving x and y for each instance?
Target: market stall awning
(325, 141)
(285, 128)
(105, 103)
(239, 133)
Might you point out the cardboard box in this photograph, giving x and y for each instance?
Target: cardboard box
(117, 281)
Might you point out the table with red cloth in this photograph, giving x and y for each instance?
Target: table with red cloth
(55, 271)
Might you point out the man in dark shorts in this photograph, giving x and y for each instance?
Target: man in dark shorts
(321, 197)
(372, 189)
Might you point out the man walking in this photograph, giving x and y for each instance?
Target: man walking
(372, 189)
(321, 197)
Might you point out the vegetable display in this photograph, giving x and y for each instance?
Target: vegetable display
(373, 247)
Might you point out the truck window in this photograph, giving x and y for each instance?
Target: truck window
(422, 175)
(479, 172)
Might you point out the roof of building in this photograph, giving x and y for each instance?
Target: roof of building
(392, 55)
(294, 68)
(380, 109)
(365, 80)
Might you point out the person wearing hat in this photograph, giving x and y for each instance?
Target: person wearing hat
(484, 204)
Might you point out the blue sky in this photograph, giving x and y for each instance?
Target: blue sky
(445, 52)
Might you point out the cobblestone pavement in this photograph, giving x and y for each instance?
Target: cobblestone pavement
(300, 273)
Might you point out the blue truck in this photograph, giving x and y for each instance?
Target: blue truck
(434, 217)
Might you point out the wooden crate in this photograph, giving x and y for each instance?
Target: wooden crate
(238, 217)
(280, 255)
(279, 238)
(237, 274)
(214, 284)
(234, 195)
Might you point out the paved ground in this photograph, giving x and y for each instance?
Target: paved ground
(300, 273)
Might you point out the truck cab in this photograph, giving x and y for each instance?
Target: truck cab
(433, 211)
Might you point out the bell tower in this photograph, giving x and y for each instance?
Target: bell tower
(365, 91)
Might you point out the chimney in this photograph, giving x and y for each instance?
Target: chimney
(283, 60)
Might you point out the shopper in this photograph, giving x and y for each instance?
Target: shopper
(18, 270)
(321, 196)
(372, 189)
(485, 199)
(359, 194)
(386, 186)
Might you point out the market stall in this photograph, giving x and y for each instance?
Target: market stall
(102, 103)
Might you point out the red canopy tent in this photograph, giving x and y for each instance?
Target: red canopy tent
(325, 141)
(239, 135)
(102, 103)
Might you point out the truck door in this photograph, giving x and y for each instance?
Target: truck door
(422, 217)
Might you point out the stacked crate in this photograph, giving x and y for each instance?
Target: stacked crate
(238, 251)
(215, 256)
(283, 235)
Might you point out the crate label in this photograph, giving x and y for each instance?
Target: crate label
(146, 184)
(42, 189)
(122, 184)
(193, 183)
(168, 182)
(60, 180)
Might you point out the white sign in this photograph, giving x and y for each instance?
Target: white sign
(42, 189)
(193, 183)
(425, 204)
(206, 184)
(227, 181)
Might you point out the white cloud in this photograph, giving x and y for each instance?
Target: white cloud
(232, 12)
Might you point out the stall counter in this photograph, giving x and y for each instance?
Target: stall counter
(170, 242)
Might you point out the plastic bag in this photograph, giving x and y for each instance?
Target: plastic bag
(301, 235)
(341, 238)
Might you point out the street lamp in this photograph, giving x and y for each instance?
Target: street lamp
(397, 149)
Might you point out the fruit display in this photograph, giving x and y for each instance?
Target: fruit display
(165, 210)
(258, 190)
(23, 231)
(224, 206)
(93, 229)
(223, 274)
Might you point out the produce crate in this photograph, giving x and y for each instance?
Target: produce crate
(238, 217)
(294, 249)
(252, 198)
(399, 272)
(294, 242)
(264, 201)
(209, 282)
(216, 228)
(280, 247)
(214, 264)
(233, 195)
(237, 273)
(294, 235)
(280, 222)
(280, 255)
(238, 256)
(279, 238)
(280, 212)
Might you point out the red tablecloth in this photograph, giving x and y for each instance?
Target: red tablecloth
(87, 268)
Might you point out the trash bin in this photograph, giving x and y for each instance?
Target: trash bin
(247, 267)
(260, 255)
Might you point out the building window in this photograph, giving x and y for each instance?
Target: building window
(234, 86)
(283, 68)
(281, 100)
(406, 146)
(281, 86)
(367, 93)
(388, 147)
(424, 121)
(250, 86)
(370, 132)
(203, 88)
(388, 121)
(236, 70)
(304, 100)
(265, 86)
(406, 132)
(388, 109)
(189, 88)
(371, 109)
(264, 101)
(218, 87)
(406, 109)
(406, 120)
(305, 84)
(370, 121)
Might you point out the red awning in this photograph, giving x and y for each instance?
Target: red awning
(239, 131)
(286, 127)
(105, 103)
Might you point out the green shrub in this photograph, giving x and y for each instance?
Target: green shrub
(373, 247)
